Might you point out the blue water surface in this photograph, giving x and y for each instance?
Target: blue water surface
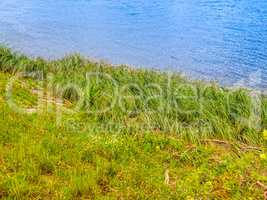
(224, 40)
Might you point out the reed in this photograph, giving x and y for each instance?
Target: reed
(159, 100)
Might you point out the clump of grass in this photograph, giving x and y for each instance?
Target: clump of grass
(46, 167)
(157, 100)
(88, 156)
(156, 125)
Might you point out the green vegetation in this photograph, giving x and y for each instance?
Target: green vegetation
(76, 129)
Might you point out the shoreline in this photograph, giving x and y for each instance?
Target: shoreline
(175, 97)
(184, 74)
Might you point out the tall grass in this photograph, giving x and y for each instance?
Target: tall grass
(140, 99)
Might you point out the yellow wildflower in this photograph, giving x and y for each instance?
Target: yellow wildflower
(263, 156)
(265, 134)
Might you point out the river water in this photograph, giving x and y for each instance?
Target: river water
(223, 40)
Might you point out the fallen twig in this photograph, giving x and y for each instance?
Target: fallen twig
(229, 144)
(216, 141)
(264, 187)
(167, 177)
(251, 148)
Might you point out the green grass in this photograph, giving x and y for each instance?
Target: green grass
(156, 126)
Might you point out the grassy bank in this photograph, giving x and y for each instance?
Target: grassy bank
(73, 128)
